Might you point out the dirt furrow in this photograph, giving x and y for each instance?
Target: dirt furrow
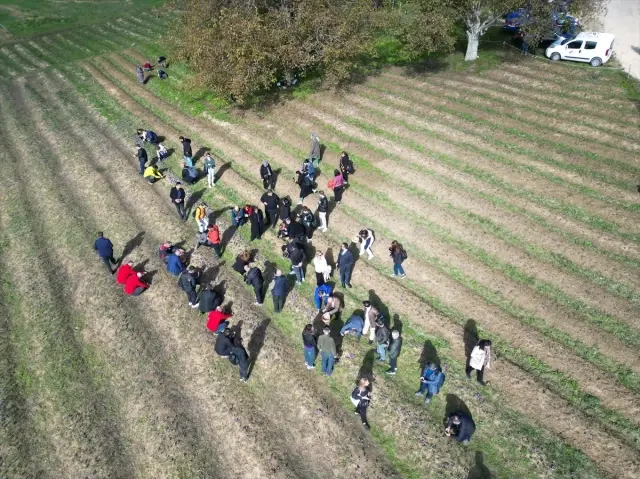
(523, 96)
(599, 186)
(379, 280)
(489, 112)
(282, 380)
(548, 124)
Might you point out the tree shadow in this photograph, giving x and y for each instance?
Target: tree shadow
(132, 244)
(256, 342)
(428, 355)
(221, 170)
(470, 337)
(366, 369)
(193, 200)
(377, 303)
(200, 153)
(479, 470)
(455, 404)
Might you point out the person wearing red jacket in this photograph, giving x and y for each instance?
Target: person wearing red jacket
(134, 285)
(124, 272)
(213, 239)
(218, 320)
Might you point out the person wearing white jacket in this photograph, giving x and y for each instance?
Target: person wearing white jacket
(322, 268)
(480, 358)
(366, 239)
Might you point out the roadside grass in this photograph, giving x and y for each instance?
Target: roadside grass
(569, 210)
(236, 199)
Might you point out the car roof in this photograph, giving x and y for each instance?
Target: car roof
(595, 36)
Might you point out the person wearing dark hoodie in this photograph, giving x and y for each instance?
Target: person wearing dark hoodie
(279, 291)
(271, 203)
(305, 184)
(382, 339)
(266, 173)
(104, 247)
(224, 343)
(188, 281)
(209, 299)
(141, 154)
(257, 225)
(285, 209)
(346, 166)
(323, 209)
(186, 150)
(255, 279)
(297, 257)
(460, 427)
(241, 357)
(394, 351)
(345, 265)
(242, 260)
(177, 196)
(309, 344)
(360, 398)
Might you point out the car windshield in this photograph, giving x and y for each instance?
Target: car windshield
(559, 41)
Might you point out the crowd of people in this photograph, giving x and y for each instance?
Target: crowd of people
(296, 229)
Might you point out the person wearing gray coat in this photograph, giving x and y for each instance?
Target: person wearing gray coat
(394, 351)
(314, 155)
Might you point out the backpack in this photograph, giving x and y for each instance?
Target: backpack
(403, 255)
(331, 183)
(200, 213)
(350, 169)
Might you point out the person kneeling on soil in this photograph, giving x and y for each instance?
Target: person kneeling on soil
(331, 307)
(353, 326)
(134, 286)
(431, 381)
(321, 295)
(162, 74)
(460, 427)
(217, 320)
(124, 272)
(152, 174)
(224, 343)
(189, 174)
(174, 263)
(361, 397)
(209, 299)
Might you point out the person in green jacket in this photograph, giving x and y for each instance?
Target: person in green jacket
(394, 351)
(210, 168)
(327, 350)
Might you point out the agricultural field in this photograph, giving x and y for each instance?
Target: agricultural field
(513, 188)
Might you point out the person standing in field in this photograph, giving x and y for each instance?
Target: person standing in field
(346, 166)
(188, 281)
(141, 154)
(255, 279)
(124, 272)
(371, 316)
(279, 291)
(271, 203)
(177, 195)
(309, 344)
(257, 225)
(337, 185)
(366, 239)
(431, 381)
(285, 209)
(308, 220)
(382, 340)
(328, 352)
(479, 360)
(186, 150)
(305, 184)
(104, 247)
(134, 285)
(322, 268)
(315, 153)
(323, 209)
(345, 265)
(297, 257)
(398, 255)
(266, 173)
(241, 357)
(210, 169)
(460, 427)
(200, 215)
(394, 351)
(140, 74)
(360, 398)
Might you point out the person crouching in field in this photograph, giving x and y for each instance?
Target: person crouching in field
(360, 398)
(134, 285)
(124, 272)
(152, 174)
(460, 427)
(366, 239)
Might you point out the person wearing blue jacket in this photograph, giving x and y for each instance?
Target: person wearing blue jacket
(321, 294)
(104, 247)
(279, 291)
(174, 264)
(431, 381)
(353, 326)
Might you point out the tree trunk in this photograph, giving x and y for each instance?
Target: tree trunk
(473, 41)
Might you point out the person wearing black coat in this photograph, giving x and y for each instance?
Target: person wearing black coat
(141, 154)
(257, 225)
(266, 173)
(177, 195)
(224, 343)
(209, 300)
(188, 281)
(241, 261)
(305, 184)
(460, 427)
(271, 203)
(285, 209)
(279, 291)
(255, 279)
(345, 265)
(295, 230)
(242, 357)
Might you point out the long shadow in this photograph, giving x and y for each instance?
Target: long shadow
(215, 215)
(193, 200)
(256, 342)
(220, 171)
(275, 176)
(200, 153)
(455, 404)
(479, 470)
(366, 369)
(149, 275)
(226, 237)
(210, 274)
(428, 355)
(323, 149)
(335, 326)
(377, 303)
(331, 260)
(269, 272)
(132, 244)
(397, 324)
(470, 338)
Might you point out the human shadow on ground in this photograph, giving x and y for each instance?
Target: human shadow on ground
(377, 303)
(366, 369)
(470, 338)
(274, 177)
(455, 404)
(200, 153)
(256, 342)
(193, 200)
(132, 244)
(479, 470)
(220, 171)
(428, 355)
